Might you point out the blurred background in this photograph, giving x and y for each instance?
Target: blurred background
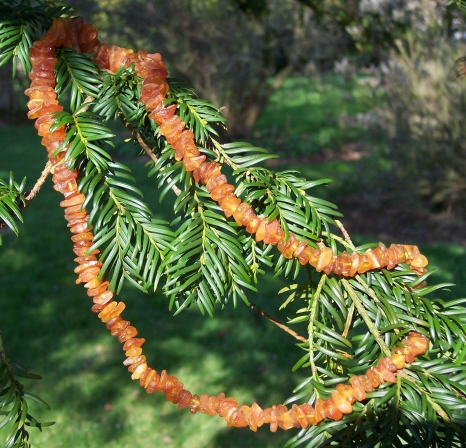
(366, 92)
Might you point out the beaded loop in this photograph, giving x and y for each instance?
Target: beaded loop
(154, 87)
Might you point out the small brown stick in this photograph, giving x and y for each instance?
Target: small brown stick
(45, 172)
(276, 322)
(344, 232)
(144, 146)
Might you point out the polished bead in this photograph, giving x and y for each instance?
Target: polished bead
(229, 204)
(359, 393)
(218, 193)
(192, 163)
(216, 182)
(260, 232)
(240, 212)
(331, 411)
(325, 258)
(398, 359)
(419, 261)
(342, 403)
(133, 351)
(129, 332)
(98, 289)
(364, 264)
(346, 391)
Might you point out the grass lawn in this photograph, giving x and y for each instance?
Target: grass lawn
(47, 325)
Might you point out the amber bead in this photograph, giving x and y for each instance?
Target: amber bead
(84, 236)
(133, 342)
(103, 298)
(398, 360)
(97, 308)
(341, 403)
(240, 212)
(113, 321)
(134, 360)
(374, 377)
(98, 289)
(216, 182)
(331, 411)
(80, 228)
(319, 410)
(170, 128)
(300, 416)
(129, 332)
(64, 175)
(359, 393)
(88, 275)
(254, 223)
(346, 391)
(209, 171)
(261, 229)
(273, 233)
(229, 204)
(365, 383)
(107, 309)
(140, 369)
(133, 351)
(305, 254)
(287, 248)
(185, 399)
(75, 200)
(219, 193)
(364, 264)
(325, 257)
(419, 261)
(115, 312)
(152, 382)
(176, 393)
(301, 246)
(162, 114)
(192, 163)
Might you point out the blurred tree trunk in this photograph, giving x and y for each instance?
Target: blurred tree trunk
(232, 56)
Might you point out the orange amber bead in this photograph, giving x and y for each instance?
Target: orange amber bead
(325, 258)
(128, 333)
(341, 403)
(273, 233)
(359, 392)
(260, 232)
(192, 163)
(364, 264)
(219, 193)
(346, 391)
(398, 360)
(229, 204)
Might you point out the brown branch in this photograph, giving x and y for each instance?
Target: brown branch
(45, 172)
(276, 322)
(144, 146)
(35, 190)
(344, 232)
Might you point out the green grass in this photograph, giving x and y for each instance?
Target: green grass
(308, 115)
(47, 325)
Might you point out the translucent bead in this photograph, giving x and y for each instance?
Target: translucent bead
(358, 390)
(229, 205)
(133, 342)
(218, 193)
(341, 403)
(324, 259)
(346, 391)
(192, 163)
(331, 411)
